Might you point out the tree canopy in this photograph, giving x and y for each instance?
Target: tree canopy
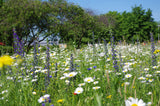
(72, 23)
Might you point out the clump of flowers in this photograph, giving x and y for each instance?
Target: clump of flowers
(45, 98)
(5, 60)
(156, 51)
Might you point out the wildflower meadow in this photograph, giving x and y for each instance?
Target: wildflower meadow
(104, 74)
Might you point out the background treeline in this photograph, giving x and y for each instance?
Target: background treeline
(34, 19)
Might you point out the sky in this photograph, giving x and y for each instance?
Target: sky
(104, 6)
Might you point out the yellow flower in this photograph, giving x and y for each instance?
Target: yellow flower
(5, 60)
(43, 91)
(60, 101)
(17, 56)
(108, 97)
(156, 51)
(122, 84)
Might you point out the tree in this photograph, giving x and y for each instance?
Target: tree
(30, 19)
(137, 24)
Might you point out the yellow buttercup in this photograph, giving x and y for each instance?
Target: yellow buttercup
(5, 60)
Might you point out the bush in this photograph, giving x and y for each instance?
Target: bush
(6, 49)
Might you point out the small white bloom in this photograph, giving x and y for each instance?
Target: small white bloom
(141, 78)
(146, 69)
(101, 54)
(88, 79)
(34, 80)
(149, 93)
(96, 82)
(82, 84)
(97, 87)
(71, 74)
(44, 71)
(128, 75)
(67, 81)
(4, 91)
(41, 99)
(46, 96)
(63, 77)
(78, 90)
(148, 75)
(34, 93)
(151, 80)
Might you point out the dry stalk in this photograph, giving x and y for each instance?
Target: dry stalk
(108, 79)
(135, 93)
(125, 91)
(120, 92)
(133, 83)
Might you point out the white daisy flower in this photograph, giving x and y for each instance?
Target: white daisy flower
(34, 93)
(128, 75)
(41, 99)
(63, 77)
(97, 87)
(146, 69)
(78, 90)
(67, 82)
(149, 93)
(34, 80)
(141, 78)
(134, 102)
(151, 80)
(96, 82)
(88, 79)
(71, 74)
(82, 84)
(46, 96)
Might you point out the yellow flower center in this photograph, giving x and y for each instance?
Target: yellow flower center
(88, 80)
(71, 75)
(79, 91)
(61, 100)
(134, 105)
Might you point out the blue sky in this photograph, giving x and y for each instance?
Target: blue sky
(103, 6)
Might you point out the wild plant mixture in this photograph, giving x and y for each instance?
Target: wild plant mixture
(100, 75)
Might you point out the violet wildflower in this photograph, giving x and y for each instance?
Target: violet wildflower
(71, 63)
(154, 63)
(56, 70)
(47, 62)
(106, 50)
(94, 50)
(114, 54)
(18, 46)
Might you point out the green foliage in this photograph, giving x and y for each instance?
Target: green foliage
(6, 49)
(71, 23)
(136, 24)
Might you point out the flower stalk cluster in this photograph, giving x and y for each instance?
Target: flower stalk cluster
(94, 50)
(106, 49)
(35, 58)
(114, 54)
(47, 62)
(18, 45)
(154, 63)
(71, 63)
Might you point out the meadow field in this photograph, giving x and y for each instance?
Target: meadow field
(95, 75)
